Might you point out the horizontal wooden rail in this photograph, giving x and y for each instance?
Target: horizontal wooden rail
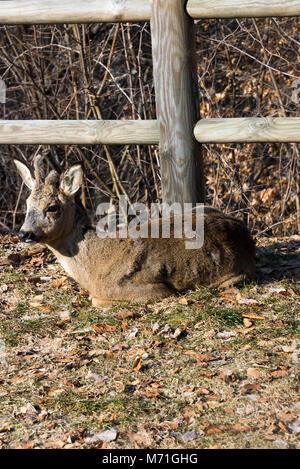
(242, 8)
(95, 11)
(248, 129)
(73, 11)
(69, 132)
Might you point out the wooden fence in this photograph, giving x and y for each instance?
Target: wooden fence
(178, 129)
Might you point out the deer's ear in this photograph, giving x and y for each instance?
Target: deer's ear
(25, 174)
(71, 180)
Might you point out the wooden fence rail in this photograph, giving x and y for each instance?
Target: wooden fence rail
(95, 11)
(82, 132)
(248, 130)
(76, 132)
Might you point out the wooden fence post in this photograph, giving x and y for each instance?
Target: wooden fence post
(177, 102)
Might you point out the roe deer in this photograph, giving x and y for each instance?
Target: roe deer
(135, 270)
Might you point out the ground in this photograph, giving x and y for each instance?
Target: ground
(209, 369)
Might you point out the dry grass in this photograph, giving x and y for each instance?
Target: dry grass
(207, 370)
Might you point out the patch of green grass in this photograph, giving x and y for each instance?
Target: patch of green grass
(224, 316)
(85, 318)
(10, 337)
(245, 289)
(11, 333)
(12, 276)
(21, 308)
(77, 405)
(58, 298)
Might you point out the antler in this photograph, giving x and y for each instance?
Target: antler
(39, 168)
(52, 178)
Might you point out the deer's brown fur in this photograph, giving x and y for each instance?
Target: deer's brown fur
(135, 270)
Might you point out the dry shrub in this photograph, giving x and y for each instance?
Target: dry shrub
(246, 67)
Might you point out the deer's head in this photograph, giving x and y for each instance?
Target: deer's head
(51, 210)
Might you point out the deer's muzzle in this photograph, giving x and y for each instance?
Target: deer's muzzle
(27, 236)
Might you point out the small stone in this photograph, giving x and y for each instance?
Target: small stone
(176, 334)
(155, 327)
(252, 397)
(296, 357)
(247, 301)
(166, 330)
(132, 334)
(293, 427)
(64, 315)
(95, 377)
(276, 290)
(281, 444)
(226, 334)
(249, 409)
(45, 279)
(106, 435)
(186, 436)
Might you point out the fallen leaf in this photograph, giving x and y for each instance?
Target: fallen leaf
(125, 314)
(137, 363)
(247, 322)
(45, 309)
(250, 387)
(253, 316)
(59, 282)
(282, 427)
(30, 410)
(185, 301)
(203, 391)
(56, 392)
(29, 445)
(229, 410)
(210, 333)
(102, 327)
(238, 428)
(36, 301)
(54, 444)
(64, 315)
(213, 429)
(200, 357)
(279, 373)
(5, 428)
(253, 373)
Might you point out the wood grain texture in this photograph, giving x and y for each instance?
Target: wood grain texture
(78, 132)
(242, 8)
(248, 129)
(92, 11)
(73, 11)
(177, 102)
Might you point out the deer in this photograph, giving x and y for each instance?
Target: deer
(132, 270)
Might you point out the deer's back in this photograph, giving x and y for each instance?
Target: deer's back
(228, 249)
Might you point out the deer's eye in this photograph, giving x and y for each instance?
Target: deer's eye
(52, 209)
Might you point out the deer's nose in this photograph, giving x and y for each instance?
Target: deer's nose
(26, 236)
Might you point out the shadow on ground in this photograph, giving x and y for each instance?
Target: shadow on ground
(279, 260)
